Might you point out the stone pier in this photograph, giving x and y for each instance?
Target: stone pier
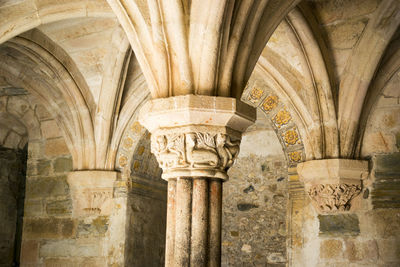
(195, 139)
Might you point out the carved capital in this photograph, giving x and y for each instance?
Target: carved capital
(196, 136)
(332, 184)
(333, 197)
(195, 154)
(92, 192)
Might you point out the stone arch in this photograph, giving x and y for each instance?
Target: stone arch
(27, 65)
(128, 131)
(360, 70)
(388, 73)
(282, 92)
(36, 36)
(19, 121)
(21, 16)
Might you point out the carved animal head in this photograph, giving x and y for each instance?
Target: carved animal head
(221, 139)
(190, 140)
(161, 142)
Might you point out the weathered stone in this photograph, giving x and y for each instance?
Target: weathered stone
(33, 207)
(97, 228)
(43, 167)
(246, 248)
(386, 221)
(50, 129)
(92, 192)
(46, 187)
(30, 252)
(387, 164)
(59, 207)
(345, 35)
(276, 258)
(361, 251)
(398, 140)
(71, 248)
(55, 147)
(234, 233)
(48, 228)
(78, 262)
(246, 206)
(248, 189)
(389, 249)
(331, 249)
(340, 224)
(62, 165)
(42, 113)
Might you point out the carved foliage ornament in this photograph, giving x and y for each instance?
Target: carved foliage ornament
(195, 150)
(334, 197)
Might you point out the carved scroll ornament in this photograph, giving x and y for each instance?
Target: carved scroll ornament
(334, 197)
(197, 153)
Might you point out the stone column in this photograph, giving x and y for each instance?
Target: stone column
(332, 184)
(195, 139)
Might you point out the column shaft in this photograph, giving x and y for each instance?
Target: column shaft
(170, 234)
(198, 255)
(183, 222)
(215, 216)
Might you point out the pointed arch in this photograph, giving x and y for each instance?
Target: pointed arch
(28, 65)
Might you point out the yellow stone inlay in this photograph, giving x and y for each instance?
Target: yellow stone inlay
(270, 103)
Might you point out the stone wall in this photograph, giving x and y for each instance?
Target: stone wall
(369, 236)
(52, 236)
(147, 209)
(12, 187)
(255, 202)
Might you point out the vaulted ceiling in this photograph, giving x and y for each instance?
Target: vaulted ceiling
(332, 66)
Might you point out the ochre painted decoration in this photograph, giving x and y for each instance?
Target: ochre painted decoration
(295, 156)
(270, 103)
(136, 165)
(255, 94)
(141, 150)
(136, 127)
(291, 137)
(123, 160)
(128, 142)
(282, 118)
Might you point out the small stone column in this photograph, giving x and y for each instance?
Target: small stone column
(195, 139)
(332, 184)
